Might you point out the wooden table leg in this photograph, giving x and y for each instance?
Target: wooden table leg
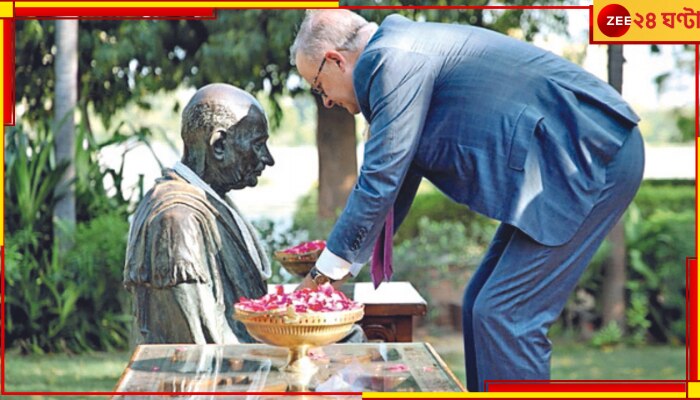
(388, 329)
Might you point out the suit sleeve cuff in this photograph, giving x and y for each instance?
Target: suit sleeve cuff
(332, 266)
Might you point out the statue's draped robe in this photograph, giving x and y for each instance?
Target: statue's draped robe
(187, 265)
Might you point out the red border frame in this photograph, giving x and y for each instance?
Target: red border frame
(654, 386)
(691, 293)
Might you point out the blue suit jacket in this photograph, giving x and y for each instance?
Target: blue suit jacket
(512, 131)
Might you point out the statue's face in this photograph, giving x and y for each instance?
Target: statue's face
(245, 152)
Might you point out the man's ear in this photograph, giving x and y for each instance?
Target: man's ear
(216, 142)
(336, 57)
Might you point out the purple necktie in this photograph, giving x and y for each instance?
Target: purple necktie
(382, 253)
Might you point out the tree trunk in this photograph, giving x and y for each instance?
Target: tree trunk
(337, 158)
(613, 290)
(66, 70)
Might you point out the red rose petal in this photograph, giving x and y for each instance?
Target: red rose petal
(322, 299)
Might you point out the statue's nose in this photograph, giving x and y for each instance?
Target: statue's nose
(267, 157)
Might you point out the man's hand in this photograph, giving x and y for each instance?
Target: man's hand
(307, 282)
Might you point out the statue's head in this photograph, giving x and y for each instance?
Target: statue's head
(224, 131)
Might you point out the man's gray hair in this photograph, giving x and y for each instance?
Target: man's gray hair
(323, 30)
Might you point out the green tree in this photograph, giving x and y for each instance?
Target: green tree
(124, 61)
(120, 62)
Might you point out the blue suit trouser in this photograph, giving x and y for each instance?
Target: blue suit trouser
(521, 286)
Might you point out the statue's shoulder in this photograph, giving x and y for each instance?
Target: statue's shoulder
(173, 192)
(178, 211)
(173, 185)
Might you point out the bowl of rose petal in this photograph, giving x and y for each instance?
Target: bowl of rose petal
(299, 259)
(299, 320)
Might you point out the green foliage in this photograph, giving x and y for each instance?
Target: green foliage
(657, 259)
(610, 335)
(93, 196)
(441, 251)
(30, 183)
(637, 322)
(685, 121)
(437, 246)
(431, 213)
(102, 313)
(122, 62)
(674, 196)
(437, 207)
(249, 49)
(659, 234)
(74, 302)
(440, 241)
(529, 22)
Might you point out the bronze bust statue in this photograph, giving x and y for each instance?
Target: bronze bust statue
(191, 255)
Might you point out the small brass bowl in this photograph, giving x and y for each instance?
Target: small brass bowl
(298, 264)
(299, 332)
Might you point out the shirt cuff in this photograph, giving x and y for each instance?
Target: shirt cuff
(332, 266)
(355, 268)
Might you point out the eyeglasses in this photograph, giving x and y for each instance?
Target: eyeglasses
(349, 40)
(315, 88)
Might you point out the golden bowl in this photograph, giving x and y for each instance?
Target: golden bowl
(299, 332)
(298, 264)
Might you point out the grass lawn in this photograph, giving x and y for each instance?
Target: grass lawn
(577, 361)
(100, 371)
(571, 360)
(96, 372)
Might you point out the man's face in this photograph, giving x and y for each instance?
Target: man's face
(245, 152)
(333, 79)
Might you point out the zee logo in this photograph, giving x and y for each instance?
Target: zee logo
(614, 20)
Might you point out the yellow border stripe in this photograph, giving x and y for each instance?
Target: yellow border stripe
(6, 9)
(530, 395)
(198, 4)
(693, 389)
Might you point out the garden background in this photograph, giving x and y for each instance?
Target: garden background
(67, 314)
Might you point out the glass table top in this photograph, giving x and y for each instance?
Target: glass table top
(366, 367)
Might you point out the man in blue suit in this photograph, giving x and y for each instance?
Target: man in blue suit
(510, 130)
